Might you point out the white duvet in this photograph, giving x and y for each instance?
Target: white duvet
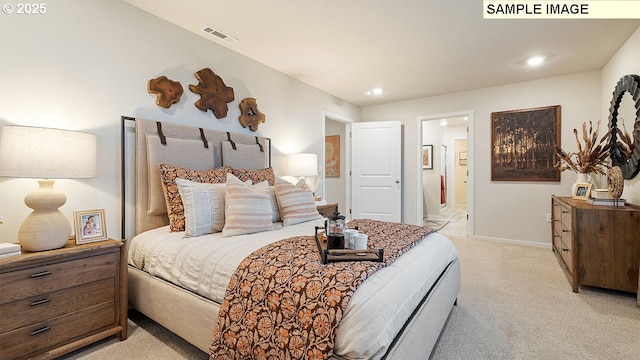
(373, 317)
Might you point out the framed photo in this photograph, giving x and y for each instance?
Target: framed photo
(582, 191)
(332, 156)
(427, 157)
(523, 144)
(462, 158)
(90, 226)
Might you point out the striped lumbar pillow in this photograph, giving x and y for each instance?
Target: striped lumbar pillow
(296, 205)
(247, 207)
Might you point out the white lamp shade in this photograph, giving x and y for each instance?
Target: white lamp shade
(45, 153)
(302, 164)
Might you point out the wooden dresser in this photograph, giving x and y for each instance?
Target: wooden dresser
(597, 245)
(57, 301)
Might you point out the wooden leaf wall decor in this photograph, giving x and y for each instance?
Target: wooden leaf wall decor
(168, 92)
(250, 115)
(214, 94)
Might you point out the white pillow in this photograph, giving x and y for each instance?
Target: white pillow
(296, 205)
(274, 205)
(247, 207)
(203, 206)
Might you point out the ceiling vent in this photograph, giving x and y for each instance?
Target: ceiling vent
(219, 34)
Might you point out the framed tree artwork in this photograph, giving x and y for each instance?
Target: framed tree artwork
(523, 144)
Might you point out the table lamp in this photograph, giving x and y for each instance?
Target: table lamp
(44, 153)
(303, 165)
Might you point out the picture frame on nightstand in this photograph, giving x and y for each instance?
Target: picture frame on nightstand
(90, 226)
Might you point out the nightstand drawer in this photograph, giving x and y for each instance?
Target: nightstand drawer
(47, 278)
(37, 337)
(36, 309)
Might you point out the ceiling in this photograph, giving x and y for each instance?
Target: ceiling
(409, 48)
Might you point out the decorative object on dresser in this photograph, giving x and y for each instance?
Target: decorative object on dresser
(58, 301)
(44, 153)
(9, 249)
(597, 245)
(90, 226)
(214, 93)
(537, 132)
(581, 191)
(168, 92)
(250, 116)
(328, 209)
(615, 181)
(625, 149)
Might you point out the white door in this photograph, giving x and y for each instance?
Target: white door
(376, 162)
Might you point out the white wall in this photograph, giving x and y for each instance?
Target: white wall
(83, 64)
(508, 211)
(626, 61)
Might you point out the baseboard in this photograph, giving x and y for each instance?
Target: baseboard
(511, 241)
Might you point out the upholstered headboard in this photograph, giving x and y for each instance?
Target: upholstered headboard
(148, 143)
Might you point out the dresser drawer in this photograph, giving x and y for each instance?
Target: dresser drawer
(36, 309)
(565, 216)
(37, 337)
(565, 252)
(43, 279)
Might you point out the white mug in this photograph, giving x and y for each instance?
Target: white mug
(348, 238)
(360, 241)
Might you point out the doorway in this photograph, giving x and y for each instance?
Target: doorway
(336, 183)
(446, 188)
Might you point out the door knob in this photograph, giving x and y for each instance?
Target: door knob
(397, 181)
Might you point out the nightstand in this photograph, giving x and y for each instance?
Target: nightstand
(328, 209)
(57, 301)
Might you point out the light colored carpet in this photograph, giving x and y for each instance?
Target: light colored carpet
(515, 303)
(435, 224)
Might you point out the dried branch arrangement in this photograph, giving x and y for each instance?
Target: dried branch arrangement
(592, 156)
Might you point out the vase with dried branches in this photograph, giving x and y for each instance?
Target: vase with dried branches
(592, 156)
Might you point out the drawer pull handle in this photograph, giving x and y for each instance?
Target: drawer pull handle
(565, 212)
(563, 230)
(41, 273)
(40, 302)
(41, 330)
(567, 250)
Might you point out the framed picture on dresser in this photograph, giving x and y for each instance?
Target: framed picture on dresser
(90, 226)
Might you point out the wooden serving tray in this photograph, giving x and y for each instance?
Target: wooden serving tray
(336, 255)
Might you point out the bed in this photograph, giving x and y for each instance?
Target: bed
(397, 313)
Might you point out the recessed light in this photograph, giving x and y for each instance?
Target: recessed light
(374, 91)
(535, 61)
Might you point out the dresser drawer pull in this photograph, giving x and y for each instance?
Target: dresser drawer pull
(40, 302)
(41, 273)
(565, 212)
(41, 330)
(563, 230)
(567, 250)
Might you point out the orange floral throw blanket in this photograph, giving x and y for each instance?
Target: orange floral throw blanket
(283, 303)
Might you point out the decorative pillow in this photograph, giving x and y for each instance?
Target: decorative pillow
(169, 174)
(274, 205)
(247, 208)
(189, 153)
(203, 206)
(302, 185)
(257, 176)
(296, 205)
